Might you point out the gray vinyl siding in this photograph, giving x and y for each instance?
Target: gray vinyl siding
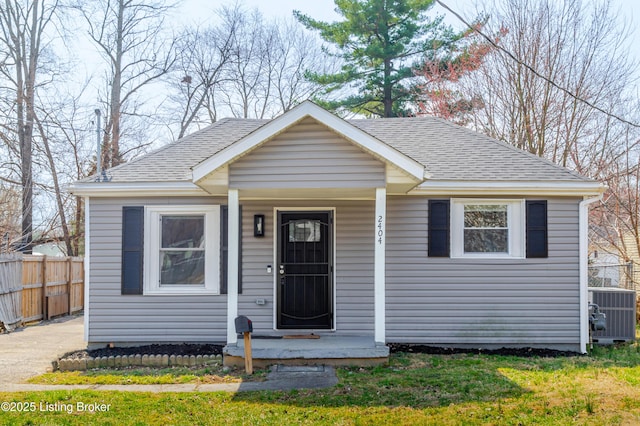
(354, 265)
(481, 302)
(435, 301)
(308, 155)
(137, 318)
(142, 318)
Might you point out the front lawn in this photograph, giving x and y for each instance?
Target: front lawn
(214, 373)
(603, 388)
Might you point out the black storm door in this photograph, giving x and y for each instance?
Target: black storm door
(305, 269)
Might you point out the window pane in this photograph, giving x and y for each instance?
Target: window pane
(304, 231)
(485, 241)
(181, 267)
(485, 216)
(182, 231)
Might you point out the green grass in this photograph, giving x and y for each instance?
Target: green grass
(147, 376)
(414, 389)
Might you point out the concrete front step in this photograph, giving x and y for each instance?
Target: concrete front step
(327, 350)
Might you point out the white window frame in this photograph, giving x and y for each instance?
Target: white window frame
(152, 231)
(515, 223)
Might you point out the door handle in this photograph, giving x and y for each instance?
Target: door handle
(281, 269)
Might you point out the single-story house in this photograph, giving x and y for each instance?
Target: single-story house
(400, 230)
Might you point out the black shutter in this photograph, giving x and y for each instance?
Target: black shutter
(536, 234)
(224, 250)
(438, 228)
(132, 249)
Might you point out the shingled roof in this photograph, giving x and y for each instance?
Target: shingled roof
(447, 151)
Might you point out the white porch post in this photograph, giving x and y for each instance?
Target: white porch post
(232, 264)
(379, 265)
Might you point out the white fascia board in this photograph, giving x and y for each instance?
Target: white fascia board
(309, 109)
(108, 189)
(482, 188)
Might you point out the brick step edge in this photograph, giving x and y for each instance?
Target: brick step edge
(69, 364)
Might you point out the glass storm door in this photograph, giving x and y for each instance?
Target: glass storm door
(305, 270)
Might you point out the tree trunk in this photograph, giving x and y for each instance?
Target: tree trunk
(388, 97)
(58, 193)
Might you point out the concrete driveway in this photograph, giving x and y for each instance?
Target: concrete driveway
(29, 351)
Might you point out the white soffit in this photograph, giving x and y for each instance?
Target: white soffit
(288, 119)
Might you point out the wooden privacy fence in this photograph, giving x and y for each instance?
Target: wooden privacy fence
(40, 287)
(51, 286)
(10, 291)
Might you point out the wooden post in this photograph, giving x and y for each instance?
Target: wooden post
(70, 282)
(248, 360)
(44, 287)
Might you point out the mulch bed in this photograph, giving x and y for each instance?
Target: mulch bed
(523, 352)
(211, 349)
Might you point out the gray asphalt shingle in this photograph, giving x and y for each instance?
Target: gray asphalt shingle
(448, 152)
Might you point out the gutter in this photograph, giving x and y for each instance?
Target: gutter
(583, 227)
(443, 188)
(136, 189)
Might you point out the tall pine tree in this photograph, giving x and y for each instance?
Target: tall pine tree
(381, 43)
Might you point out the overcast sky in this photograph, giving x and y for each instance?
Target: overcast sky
(198, 11)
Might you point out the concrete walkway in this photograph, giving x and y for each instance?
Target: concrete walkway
(29, 351)
(281, 378)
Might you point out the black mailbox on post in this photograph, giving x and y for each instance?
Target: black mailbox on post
(243, 325)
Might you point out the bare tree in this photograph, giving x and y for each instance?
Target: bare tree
(570, 44)
(242, 66)
(247, 93)
(9, 217)
(558, 90)
(199, 71)
(616, 221)
(22, 27)
(66, 153)
(294, 52)
(130, 37)
(266, 73)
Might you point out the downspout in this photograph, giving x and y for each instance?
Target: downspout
(583, 227)
(87, 267)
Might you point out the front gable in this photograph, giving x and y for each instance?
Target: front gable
(308, 149)
(307, 156)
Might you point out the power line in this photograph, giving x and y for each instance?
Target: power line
(52, 124)
(534, 71)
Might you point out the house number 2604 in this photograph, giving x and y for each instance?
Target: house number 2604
(380, 231)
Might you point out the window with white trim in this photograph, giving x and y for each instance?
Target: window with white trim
(182, 249)
(487, 228)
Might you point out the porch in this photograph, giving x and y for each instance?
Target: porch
(326, 350)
